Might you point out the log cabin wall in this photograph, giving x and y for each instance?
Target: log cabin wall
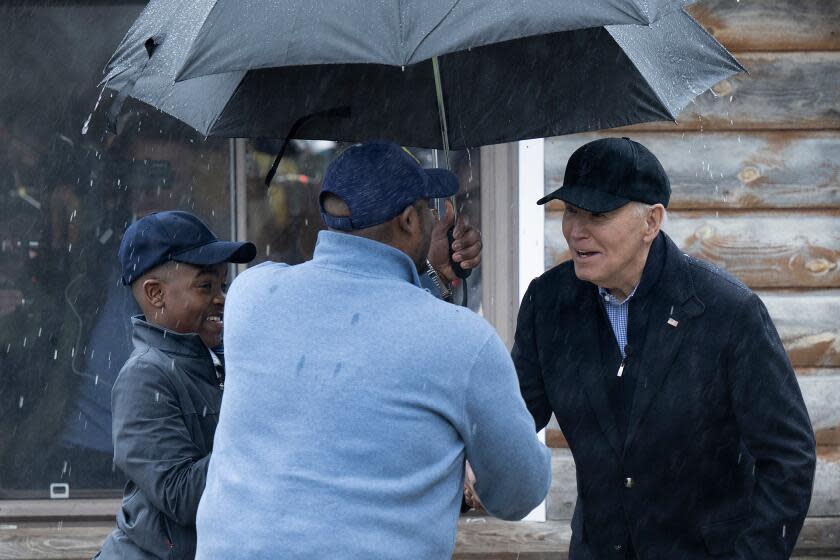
(755, 172)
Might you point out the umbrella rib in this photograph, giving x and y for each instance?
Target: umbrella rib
(672, 116)
(432, 30)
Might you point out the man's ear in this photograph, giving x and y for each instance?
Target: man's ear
(653, 222)
(154, 292)
(409, 220)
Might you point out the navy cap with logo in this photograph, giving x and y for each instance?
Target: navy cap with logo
(606, 174)
(175, 236)
(377, 181)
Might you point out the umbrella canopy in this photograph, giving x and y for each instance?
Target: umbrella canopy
(537, 85)
(295, 32)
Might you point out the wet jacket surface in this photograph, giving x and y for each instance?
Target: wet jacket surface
(712, 454)
(165, 405)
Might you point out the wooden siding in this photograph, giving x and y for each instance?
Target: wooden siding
(784, 90)
(772, 25)
(763, 249)
(748, 170)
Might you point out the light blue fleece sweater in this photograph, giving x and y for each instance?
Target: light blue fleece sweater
(351, 400)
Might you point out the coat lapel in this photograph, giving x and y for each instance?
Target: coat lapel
(591, 367)
(674, 305)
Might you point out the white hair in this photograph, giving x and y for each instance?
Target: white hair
(643, 208)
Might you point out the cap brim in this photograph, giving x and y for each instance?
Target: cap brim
(586, 198)
(218, 252)
(442, 183)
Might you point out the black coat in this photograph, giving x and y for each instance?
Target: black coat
(165, 405)
(717, 456)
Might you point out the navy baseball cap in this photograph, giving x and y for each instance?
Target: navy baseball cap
(606, 174)
(175, 236)
(377, 181)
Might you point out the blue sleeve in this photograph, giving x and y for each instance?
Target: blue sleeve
(512, 467)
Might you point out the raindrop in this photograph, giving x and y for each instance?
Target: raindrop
(204, 412)
(96, 380)
(55, 354)
(24, 342)
(86, 125)
(20, 402)
(157, 396)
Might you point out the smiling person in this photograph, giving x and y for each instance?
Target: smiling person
(165, 401)
(667, 377)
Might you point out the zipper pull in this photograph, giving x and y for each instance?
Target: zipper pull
(624, 360)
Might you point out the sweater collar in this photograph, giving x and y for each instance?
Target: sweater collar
(357, 255)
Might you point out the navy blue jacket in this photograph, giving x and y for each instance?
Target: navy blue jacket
(717, 454)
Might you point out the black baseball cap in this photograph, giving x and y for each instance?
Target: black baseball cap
(377, 181)
(175, 236)
(606, 174)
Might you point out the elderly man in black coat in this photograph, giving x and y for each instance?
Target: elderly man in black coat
(670, 383)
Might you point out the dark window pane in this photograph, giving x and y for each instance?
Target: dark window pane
(65, 200)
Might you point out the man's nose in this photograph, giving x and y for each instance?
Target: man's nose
(220, 297)
(579, 229)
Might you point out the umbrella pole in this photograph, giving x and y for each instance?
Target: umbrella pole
(444, 131)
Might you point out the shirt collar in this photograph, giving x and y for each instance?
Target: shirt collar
(653, 269)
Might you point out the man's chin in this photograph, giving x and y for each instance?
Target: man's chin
(585, 275)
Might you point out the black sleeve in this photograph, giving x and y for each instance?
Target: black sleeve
(775, 426)
(152, 445)
(526, 360)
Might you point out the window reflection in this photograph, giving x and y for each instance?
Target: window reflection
(65, 200)
(283, 220)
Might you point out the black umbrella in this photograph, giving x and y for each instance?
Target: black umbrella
(544, 78)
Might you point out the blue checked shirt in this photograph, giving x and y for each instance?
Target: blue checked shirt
(617, 312)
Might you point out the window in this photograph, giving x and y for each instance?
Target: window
(65, 199)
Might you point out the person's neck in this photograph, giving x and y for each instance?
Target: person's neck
(625, 285)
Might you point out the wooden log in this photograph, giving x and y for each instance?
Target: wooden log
(822, 395)
(54, 542)
(809, 324)
(771, 25)
(726, 170)
(829, 437)
(764, 250)
(481, 536)
(825, 500)
(782, 91)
